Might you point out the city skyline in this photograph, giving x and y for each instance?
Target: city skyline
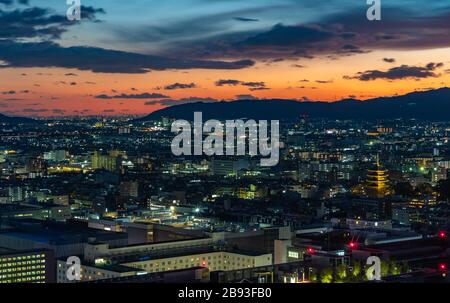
(133, 59)
(221, 149)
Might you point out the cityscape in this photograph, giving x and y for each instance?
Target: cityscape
(108, 175)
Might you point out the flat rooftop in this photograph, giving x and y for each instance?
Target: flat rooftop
(174, 253)
(57, 234)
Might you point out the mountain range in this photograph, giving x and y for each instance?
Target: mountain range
(432, 105)
(15, 120)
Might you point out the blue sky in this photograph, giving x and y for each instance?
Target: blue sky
(156, 25)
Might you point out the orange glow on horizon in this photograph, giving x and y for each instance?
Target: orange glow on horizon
(44, 90)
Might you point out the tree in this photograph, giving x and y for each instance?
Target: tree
(341, 272)
(394, 268)
(404, 189)
(404, 267)
(326, 276)
(384, 268)
(312, 275)
(356, 271)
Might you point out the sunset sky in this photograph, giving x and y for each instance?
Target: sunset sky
(137, 56)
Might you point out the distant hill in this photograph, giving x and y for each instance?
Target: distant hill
(15, 120)
(433, 105)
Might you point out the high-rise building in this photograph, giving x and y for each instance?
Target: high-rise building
(106, 162)
(438, 174)
(129, 189)
(36, 165)
(35, 266)
(124, 130)
(16, 193)
(55, 155)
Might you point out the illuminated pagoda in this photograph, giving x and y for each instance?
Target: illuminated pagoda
(377, 183)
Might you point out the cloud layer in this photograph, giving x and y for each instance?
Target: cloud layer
(18, 26)
(400, 72)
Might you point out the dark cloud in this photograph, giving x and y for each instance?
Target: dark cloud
(389, 60)
(231, 82)
(246, 97)
(242, 19)
(259, 88)
(284, 41)
(351, 49)
(33, 110)
(306, 87)
(90, 13)
(58, 111)
(281, 41)
(171, 102)
(282, 35)
(400, 28)
(324, 81)
(253, 86)
(276, 60)
(12, 99)
(43, 24)
(36, 22)
(180, 86)
(9, 92)
(340, 34)
(134, 96)
(48, 54)
(400, 72)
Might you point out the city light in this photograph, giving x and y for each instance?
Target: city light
(224, 142)
(353, 245)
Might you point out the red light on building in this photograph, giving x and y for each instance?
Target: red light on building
(204, 263)
(442, 234)
(311, 250)
(443, 266)
(352, 245)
